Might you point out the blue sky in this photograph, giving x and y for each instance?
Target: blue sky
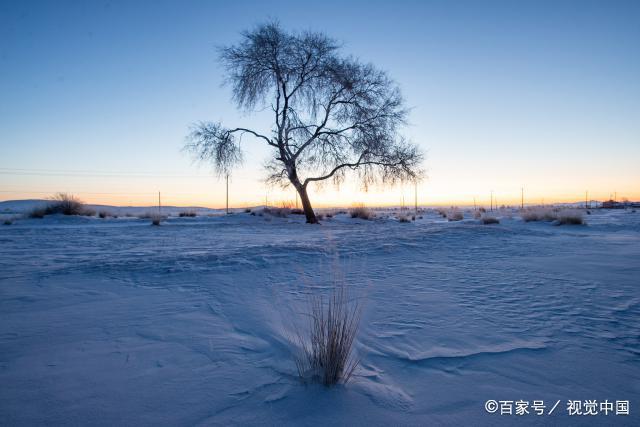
(96, 97)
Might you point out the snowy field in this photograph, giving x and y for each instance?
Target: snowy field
(116, 322)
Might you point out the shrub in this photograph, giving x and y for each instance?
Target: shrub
(326, 352)
(8, 222)
(361, 212)
(247, 210)
(477, 215)
(455, 215)
(104, 214)
(570, 217)
(490, 220)
(66, 204)
(62, 203)
(297, 211)
(189, 214)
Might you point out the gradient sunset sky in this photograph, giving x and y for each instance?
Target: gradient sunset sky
(96, 97)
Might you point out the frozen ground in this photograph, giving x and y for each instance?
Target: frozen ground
(116, 322)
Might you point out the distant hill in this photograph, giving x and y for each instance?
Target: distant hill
(23, 206)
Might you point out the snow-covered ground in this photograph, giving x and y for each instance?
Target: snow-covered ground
(116, 322)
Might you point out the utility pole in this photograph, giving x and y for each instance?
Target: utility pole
(491, 201)
(586, 199)
(474, 204)
(227, 194)
(159, 205)
(522, 198)
(415, 197)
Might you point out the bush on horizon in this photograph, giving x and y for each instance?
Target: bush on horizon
(62, 203)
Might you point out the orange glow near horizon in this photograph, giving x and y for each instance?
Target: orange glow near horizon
(210, 193)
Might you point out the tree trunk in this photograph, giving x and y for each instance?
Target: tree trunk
(306, 205)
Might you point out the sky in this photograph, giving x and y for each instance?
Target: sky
(96, 97)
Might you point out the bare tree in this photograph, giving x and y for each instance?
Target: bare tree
(332, 113)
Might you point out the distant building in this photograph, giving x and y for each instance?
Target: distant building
(612, 204)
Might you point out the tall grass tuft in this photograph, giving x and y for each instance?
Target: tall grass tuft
(326, 351)
(455, 215)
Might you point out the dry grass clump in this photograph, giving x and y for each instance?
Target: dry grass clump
(558, 216)
(486, 219)
(361, 212)
(455, 215)
(62, 203)
(570, 217)
(539, 214)
(156, 219)
(404, 218)
(106, 214)
(277, 212)
(187, 214)
(38, 212)
(326, 350)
